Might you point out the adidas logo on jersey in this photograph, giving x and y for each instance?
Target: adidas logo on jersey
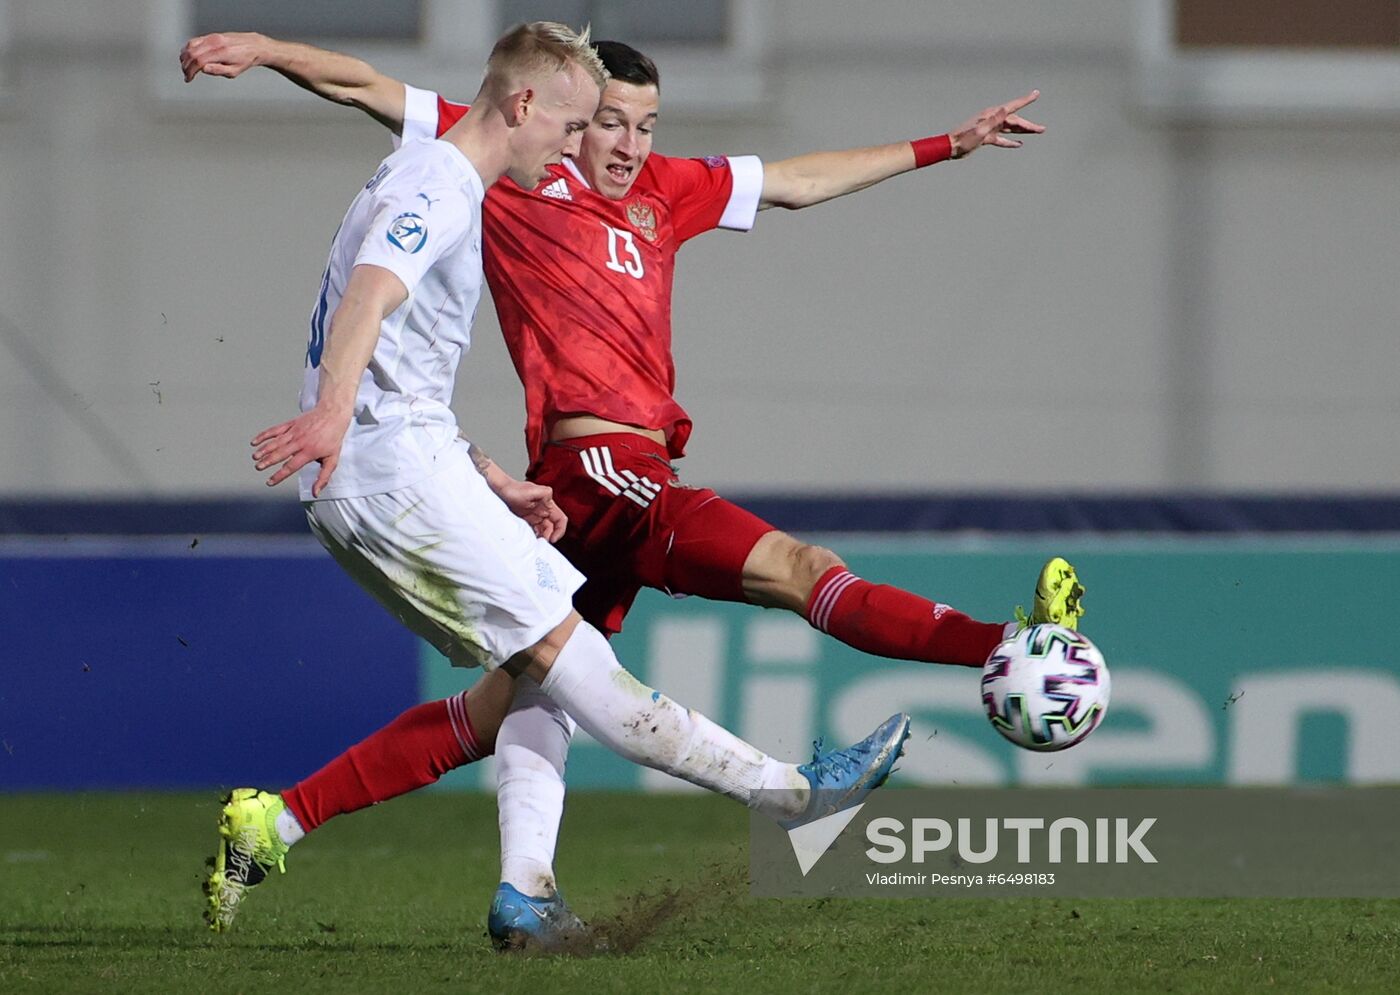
(559, 190)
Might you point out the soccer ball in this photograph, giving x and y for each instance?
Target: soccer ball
(1046, 688)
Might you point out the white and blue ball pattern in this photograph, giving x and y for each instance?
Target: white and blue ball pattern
(1046, 688)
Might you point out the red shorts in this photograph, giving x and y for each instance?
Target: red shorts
(632, 524)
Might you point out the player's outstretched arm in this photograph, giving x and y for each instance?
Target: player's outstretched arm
(805, 180)
(371, 295)
(340, 78)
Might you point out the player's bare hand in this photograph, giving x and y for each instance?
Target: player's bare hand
(993, 126)
(313, 436)
(228, 55)
(535, 504)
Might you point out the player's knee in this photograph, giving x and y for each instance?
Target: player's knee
(535, 661)
(781, 571)
(809, 563)
(487, 702)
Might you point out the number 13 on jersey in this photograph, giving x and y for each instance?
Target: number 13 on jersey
(632, 264)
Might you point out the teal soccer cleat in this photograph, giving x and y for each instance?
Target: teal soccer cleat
(841, 779)
(525, 922)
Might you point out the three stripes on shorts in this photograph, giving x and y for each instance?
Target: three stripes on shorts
(598, 464)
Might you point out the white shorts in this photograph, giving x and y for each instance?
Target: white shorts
(451, 562)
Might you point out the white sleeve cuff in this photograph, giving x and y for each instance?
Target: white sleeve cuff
(742, 209)
(420, 115)
(408, 274)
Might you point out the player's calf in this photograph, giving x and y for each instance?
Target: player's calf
(887, 621)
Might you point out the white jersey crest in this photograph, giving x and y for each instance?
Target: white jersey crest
(419, 217)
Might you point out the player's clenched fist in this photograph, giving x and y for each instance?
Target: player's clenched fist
(535, 504)
(227, 55)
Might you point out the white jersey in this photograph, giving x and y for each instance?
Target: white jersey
(420, 218)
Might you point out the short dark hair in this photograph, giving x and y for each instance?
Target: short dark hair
(625, 63)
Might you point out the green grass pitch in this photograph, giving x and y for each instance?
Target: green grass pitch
(100, 893)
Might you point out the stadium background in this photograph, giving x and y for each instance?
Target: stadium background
(1161, 338)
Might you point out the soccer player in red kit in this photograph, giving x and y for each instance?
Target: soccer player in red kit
(581, 270)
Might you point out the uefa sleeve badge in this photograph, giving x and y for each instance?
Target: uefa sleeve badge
(408, 232)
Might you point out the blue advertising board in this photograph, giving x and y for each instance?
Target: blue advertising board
(153, 664)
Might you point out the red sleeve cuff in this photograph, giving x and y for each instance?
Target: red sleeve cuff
(927, 151)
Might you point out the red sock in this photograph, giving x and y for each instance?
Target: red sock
(885, 621)
(415, 749)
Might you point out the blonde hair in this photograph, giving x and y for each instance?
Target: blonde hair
(541, 48)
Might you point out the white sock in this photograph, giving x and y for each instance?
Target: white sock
(531, 750)
(288, 829)
(649, 728)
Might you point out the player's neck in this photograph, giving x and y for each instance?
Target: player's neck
(481, 136)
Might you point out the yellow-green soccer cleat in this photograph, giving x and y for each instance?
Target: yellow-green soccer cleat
(1057, 597)
(249, 848)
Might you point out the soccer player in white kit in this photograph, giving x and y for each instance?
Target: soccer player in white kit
(392, 491)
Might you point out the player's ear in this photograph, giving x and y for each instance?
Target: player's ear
(519, 106)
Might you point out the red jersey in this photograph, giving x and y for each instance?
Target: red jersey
(582, 284)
